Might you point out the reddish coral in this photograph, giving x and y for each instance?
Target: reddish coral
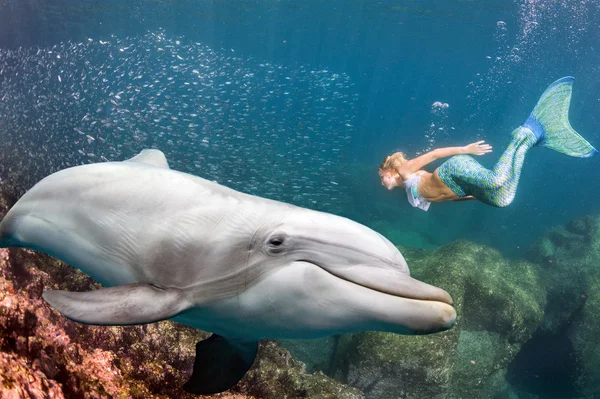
(43, 354)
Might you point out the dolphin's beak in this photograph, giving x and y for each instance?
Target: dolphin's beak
(376, 299)
(391, 282)
(418, 308)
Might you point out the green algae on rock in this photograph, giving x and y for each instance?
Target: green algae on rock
(276, 375)
(570, 258)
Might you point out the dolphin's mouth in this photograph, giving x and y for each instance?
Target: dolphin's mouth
(390, 281)
(391, 300)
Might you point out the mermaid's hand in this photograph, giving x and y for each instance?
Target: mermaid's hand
(478, 148)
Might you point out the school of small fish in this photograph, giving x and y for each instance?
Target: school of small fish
(271, 130)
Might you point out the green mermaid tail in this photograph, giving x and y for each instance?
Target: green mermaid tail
(549, 121)
(547, 126)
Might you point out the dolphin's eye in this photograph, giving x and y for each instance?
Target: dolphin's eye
(275, 243)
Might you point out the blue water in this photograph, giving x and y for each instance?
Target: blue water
(301, 101)
(489, 62)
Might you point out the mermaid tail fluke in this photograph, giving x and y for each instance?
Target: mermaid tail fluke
(549, 121)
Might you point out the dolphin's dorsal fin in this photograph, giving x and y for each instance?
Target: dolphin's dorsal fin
(220, 363)
(119, 306)
(151, 157)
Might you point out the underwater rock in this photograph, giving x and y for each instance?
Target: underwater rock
(19, 380)
(583, 334)
(316, 354)
(276, 375)
(570, 258)
(499, 304)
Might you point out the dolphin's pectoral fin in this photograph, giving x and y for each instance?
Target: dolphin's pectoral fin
(220, 364)
(151, 157)
(118, 306)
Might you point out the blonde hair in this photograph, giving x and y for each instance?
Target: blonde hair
(392, 163)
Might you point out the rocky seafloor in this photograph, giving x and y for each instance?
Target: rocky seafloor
(526, 329)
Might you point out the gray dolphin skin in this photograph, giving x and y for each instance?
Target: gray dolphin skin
(170, 245)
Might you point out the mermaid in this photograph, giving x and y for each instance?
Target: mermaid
(462, 178)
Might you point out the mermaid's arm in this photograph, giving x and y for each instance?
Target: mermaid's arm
(410, 167)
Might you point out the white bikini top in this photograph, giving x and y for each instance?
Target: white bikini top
(412, 192)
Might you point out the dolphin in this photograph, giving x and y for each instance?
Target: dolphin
(171, 245)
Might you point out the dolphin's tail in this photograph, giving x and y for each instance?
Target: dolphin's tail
(549, 121)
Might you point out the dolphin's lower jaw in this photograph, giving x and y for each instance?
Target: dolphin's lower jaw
(441, 317)
(415, 316)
